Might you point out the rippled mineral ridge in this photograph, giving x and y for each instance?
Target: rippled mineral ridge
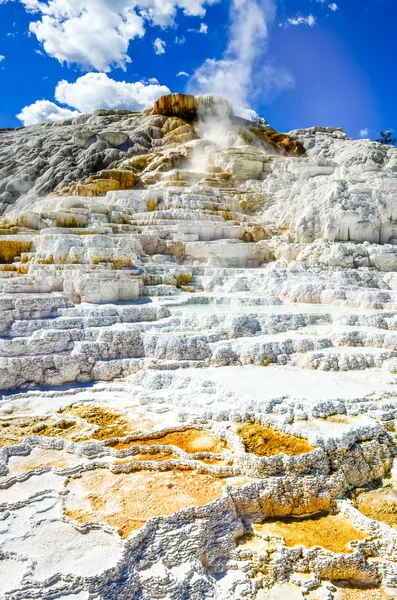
(198, 358)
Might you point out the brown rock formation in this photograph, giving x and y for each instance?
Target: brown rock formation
(282, 141)
(189, 108)
(183, 106)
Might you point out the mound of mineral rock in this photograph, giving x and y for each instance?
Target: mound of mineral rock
(198, 358)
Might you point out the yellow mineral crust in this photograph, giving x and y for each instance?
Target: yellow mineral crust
(78, 422)
(190, 441)
(262, 441)
(127, 501)
(145, 456)
(380, 505)
(107, 423)
(10, 248)
(331, 532)
(349, 592)
(14, 430)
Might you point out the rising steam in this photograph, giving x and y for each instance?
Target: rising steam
(232, 76)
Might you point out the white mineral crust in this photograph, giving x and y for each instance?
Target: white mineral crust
(150, 310)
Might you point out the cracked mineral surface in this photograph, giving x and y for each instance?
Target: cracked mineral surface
(198, 358)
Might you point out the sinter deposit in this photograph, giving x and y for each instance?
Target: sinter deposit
(198, 349)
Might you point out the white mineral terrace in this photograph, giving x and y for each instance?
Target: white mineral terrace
(198, 370)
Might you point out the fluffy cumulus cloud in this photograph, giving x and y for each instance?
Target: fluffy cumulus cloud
(95, 34)
(44, 111)
(159, 46)
(89, 92)
(364, 133)
(97, 90)
(2, 57)
(91, 33)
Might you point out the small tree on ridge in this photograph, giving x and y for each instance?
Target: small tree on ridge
(386, 139)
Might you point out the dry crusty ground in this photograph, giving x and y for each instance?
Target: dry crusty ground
(332, 532)
(127, 501)
(262, 441)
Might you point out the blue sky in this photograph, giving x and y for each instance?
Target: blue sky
(296, 62)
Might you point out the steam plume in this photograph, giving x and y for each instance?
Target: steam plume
(248, 34)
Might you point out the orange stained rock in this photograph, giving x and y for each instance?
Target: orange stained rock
(190, 440)
(263, 441)
(281, 142)
(183, 106)
(127, 501)
(331, 532)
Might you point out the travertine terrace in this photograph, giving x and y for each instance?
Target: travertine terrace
(198, 349)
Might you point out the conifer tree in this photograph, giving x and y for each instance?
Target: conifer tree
(386, 139)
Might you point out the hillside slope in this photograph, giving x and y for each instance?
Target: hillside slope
(198, 349)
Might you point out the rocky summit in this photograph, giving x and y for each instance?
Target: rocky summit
(198, 358)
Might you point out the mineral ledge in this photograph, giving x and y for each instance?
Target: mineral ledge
(198, 349)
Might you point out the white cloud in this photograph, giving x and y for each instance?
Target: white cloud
(2, 57)
(95, 34)
(180, 40)
(163, 12)
(182, 74)
(300, 20)
(44, 111)
(333, 6)
(97, 90)
(91, 91)
(364, 133)
(159, 46)
(203, 29)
